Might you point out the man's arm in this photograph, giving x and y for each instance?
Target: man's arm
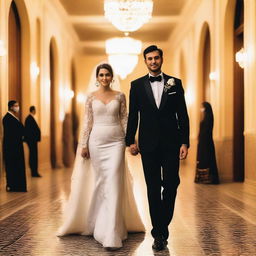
(132, 118)
(183, 119)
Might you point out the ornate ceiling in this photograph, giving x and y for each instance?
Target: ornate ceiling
(92, 28)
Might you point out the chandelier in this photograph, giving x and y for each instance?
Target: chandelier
(123, 54)
(128, 15)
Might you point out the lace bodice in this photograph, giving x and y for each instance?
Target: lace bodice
(99, 113)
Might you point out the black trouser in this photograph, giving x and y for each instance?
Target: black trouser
(161, 170)
(33, 157)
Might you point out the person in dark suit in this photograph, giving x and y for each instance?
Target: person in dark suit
(13, 152)
(157, 102)
(32, 137)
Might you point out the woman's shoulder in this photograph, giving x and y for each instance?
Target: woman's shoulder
(119, 94)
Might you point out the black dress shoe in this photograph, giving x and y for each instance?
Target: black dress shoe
(159, 244)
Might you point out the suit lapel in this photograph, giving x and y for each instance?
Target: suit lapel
(149, 91)
(164, 94)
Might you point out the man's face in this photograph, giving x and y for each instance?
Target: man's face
(154, 61)
(15, 108)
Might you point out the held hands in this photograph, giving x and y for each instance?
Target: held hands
(85, 153)
(134, 150)
(183, 152)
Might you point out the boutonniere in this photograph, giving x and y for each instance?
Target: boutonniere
(169, 84)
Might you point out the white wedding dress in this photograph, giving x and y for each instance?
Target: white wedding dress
(101, 202)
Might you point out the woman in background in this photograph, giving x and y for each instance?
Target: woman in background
(206, 171)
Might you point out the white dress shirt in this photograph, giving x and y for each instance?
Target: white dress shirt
(157, 88)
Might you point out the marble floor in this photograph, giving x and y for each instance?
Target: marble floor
(209, 219)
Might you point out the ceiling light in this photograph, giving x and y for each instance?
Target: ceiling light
(123, 54)
(128, 15)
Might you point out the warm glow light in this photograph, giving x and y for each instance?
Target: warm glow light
(213, 76)
(80, 98)
(66, 94)
(34, 70)
(123, 54)
(2, 49)
(240, 57)
(189, 96)
(70, 94)
(128, 15)
(61, 115)
(48, 91)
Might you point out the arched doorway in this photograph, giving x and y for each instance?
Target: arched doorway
(14, 54)
(75, 123)
(206, 66)
(238, 100)
(53, 146)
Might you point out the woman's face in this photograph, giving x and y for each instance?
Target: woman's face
(104, 77)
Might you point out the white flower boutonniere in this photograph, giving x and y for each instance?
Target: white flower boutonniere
(169, 84)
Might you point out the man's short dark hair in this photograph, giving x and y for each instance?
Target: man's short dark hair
(32, 108)
(11, 103)
(152, 48)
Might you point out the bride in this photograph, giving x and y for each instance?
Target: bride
(108, 210)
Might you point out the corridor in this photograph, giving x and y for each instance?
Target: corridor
(208, 220)
(49, 52)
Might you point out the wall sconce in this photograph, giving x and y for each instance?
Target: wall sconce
(240, 57)
(34, 70)
(2, 49)
(69, 94)
(213, 76)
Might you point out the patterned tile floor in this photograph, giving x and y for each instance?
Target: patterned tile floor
(209, 219)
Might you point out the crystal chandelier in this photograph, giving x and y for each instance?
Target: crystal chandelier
(123, 54)
(128, 15)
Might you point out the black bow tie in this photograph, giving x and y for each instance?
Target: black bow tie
(155, 78)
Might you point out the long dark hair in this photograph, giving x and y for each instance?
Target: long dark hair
(105, 66)
(208, 114)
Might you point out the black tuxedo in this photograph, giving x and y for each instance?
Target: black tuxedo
(32, 137)
(13, 153)
(161, 132)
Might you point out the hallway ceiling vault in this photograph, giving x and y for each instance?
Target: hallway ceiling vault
(92, 28)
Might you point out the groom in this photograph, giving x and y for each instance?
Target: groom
(157, 101)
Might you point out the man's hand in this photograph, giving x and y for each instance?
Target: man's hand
(134, 150)
(85, 153)
(183, 151)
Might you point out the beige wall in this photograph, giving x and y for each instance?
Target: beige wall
(36, 91)
(219, 15)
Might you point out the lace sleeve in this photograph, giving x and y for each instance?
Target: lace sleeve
(87, 123)
(123, 112)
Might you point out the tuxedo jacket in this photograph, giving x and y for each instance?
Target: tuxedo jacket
(166, 126)
(32, 130)
(13, 135)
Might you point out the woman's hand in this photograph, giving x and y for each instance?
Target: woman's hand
(85, 153)
(183, 152)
